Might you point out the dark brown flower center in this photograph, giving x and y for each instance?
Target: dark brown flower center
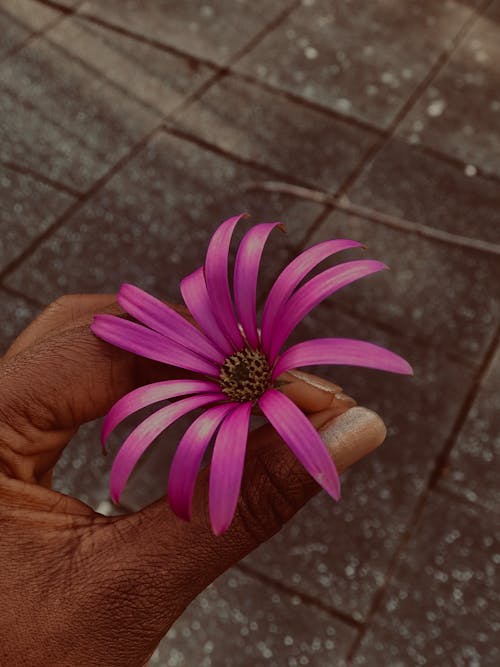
(245, 375)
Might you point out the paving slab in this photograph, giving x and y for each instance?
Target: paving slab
(459, 114)
(442, 606)
(442, 295)
(17, 313)
(245, 120)
(27, 209)
(20, 19)
(364, 61)
(239, 621)
(340, 553)
(406, 182)
(215, 31)
(473, 470)
(151, 223)
(63, 119)
(158, 80)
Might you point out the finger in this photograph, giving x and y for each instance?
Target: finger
(180, 559)
(62, 376)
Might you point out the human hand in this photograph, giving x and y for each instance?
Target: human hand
(82, 589)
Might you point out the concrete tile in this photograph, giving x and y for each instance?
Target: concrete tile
(360, 60)
(442, 605)
(473, 469)
(459, 113)
(17, 313)
(408, 183)
(339, 553)
(151, 223)
(63, 119)
(245, 120)
(20, 19)
(27, 208)
(214, 32)
(239, 621)
(156, 79)
(444, 296)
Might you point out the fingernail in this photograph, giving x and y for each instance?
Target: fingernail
(315, 381)
(352, 435)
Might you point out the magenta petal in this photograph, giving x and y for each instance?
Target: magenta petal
(159, 316)
(302, 438)
(226, 469)
(341, 351)
(291, 276)
(149, 394)
(140, 340)
(144, 434)
(188, 456)
(313, 292)
(195, 295)
(246, 271)
(216, 277)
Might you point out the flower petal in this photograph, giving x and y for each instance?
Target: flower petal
(165, 320)
(195, 295)
(302, 438)
(216, 276)
(226, 468)
(341, 351)
(246, 271)
(140, 340)
(313, 292)
(149, 394)
(188, 456)
(144, 434)
(291, 276)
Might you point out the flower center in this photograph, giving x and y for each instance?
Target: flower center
(245, 375)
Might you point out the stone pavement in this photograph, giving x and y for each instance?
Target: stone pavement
(129, 129)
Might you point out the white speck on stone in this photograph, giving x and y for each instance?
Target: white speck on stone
(343, 105)
(436, 108)
(207, 12)
(371, 90)
(470, 170)
(105, 507)
(311, 53)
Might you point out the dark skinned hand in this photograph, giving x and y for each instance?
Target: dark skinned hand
(78, 588)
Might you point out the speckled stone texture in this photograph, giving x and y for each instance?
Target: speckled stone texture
(129, 130)
(474, 467)
(213, 31)
(442, 605)
(364, 63)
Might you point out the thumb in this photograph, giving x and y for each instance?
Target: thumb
(180, 559)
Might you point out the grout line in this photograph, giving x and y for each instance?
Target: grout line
(64, 12)
(27, 171)
(305, 597)
(406, 107)
(395, 222)
(433, 479)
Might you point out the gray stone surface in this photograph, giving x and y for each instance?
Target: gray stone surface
(442, 605)
(62, 119)
(27, 209)
(460, 113)
(440, 294)
(151, 224)
(214, 31)
(340, 553)
(157, 80)
(19, 20)
(320, 151)
(17, 313)
(410, 184)
(362, 60)
(474, 467)
(239, 621)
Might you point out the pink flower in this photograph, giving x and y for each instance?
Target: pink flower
(238, 364)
